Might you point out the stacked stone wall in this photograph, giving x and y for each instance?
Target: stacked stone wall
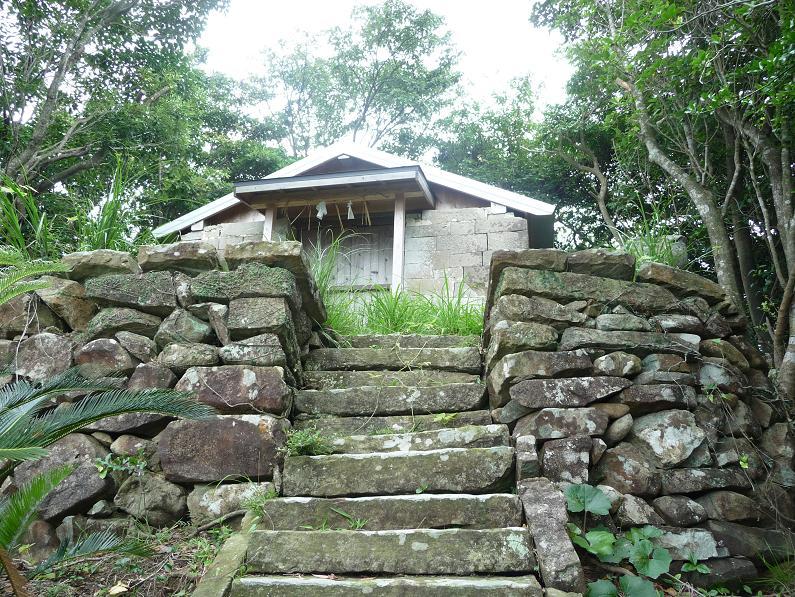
(228, 327)
(643, 382)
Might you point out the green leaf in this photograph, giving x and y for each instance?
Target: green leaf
(583, 497)
(649, 560)
(621, 551)
(600, 542)
(602, 588)
(635, 586)
(18, 510)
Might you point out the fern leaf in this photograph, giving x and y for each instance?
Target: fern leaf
(91, 545)
(18, 510)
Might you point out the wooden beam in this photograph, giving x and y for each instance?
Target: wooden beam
(267, 223)
(398, 242)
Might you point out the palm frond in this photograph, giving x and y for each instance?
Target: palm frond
(53, 425)
(17, 511)
(20, 454)
(70, 380)
(91, 545)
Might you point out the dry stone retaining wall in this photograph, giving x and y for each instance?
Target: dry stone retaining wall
(645, 385)
(230, 327)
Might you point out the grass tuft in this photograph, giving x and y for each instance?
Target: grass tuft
(307, 442)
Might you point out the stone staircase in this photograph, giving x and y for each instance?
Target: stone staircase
(413, 500)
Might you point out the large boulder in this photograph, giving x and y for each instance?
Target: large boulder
(182, 327)
(556, 423)
(263, 350)
(566, 459)
(140, 347)
(652, 398)
(697, 480)
(732, 506)
(565, 287)
(634, 512)
(43, 356)
(79, 490)
(617, 364)
(104, 357)
(515, 307)
(26, 314)
(545, 510)
(514, 336)
(181, 357)
(288, 255)
(679, 510)
(671, 435)
(638, 343)
(91, 264)
(188, 257)
(602, 262)
(573, 392)
(531, 364)
(680, 283)
(152, 292)
(250, 280)
(723, 349)
(151, 375)
(108, 322)
(226, 447)
(617, 322)
(629, 470)
(239, 389)
(254, 316)
(208, 502)
(149, 497)
(67, 299)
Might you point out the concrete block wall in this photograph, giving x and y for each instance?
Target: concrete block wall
(458, 243)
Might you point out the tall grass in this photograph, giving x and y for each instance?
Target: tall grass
(342, 305)
(381, 311)
(23, 227)
(111, 222)
(454, 312)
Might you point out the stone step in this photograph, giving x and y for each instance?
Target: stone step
(458, 552)
(464, 360)
(394, 424)
(427, 511)
(380, 400)
(437, 586)
(453, 470)
(469, 436)
(408, 341)
(323, 380)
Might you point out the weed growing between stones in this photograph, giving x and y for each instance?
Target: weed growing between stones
(307, 442)
(257, 502)
(355, 524)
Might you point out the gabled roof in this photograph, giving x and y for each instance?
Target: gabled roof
(437, 176)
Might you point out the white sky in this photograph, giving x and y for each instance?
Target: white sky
(496, 41)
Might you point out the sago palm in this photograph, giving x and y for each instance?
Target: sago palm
(31, 420)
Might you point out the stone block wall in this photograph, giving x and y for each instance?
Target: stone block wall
(458, 243)
(644, 384)
(228, 326)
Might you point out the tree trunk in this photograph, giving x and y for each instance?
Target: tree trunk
(744, 245)
(702, 198)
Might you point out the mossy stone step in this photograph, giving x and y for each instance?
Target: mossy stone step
(323, 380)
(408, 341)
(429, 511)
(380, 400)
(438, 586)
(468, 436)
(464, 360)
(453, 470)
(457, 552)
(394, 424)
